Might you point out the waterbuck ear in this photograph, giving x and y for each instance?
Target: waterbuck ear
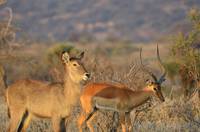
(81, 55)
(65, 57)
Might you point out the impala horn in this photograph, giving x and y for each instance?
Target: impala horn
(162, 78)
(146, 70)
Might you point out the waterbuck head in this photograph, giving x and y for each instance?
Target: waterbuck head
(75, 68)
(155, 85)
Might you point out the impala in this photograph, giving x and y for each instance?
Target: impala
(118, 98)
(27, 98)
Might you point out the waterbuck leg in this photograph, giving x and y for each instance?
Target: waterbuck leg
(63, 124)
(15, 120)
(56, 122)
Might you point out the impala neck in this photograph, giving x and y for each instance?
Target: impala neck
(142, 96)
(71, 88)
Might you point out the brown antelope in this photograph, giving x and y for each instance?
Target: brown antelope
(117, 98)
(27, 98)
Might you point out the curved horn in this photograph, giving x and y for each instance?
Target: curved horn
(162, 78)
(146, 70)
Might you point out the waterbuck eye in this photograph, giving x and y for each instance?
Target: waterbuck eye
(155, 89)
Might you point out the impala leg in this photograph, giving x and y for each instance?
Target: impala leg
(89, 119)
(123, 122)
(81, 120)
(89, 123)
(128, 121)
(15, 120)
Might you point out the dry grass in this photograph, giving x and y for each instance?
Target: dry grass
(107, 63)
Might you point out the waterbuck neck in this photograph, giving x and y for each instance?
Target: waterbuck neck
(71, 88)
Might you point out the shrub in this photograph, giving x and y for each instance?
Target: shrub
(185, 52)
(53, 62)
(54, 53)
(172, 68)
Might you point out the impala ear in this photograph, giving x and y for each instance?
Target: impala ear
(65, 57)
(81, 55)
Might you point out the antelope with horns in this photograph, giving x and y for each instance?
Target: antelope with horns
(28, 98)
(118, 98)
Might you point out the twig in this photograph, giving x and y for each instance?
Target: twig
(131, 69)
(9, 21)
(171, 91)
(188, 118)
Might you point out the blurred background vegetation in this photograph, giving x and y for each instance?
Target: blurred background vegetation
(33, 34)
(136, 20)
(185, 56)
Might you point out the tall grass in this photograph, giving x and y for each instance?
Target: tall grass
(172, 115)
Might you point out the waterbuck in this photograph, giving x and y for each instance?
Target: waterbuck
(27, 98)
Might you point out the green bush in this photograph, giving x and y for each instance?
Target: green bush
(185, 52)
(54, 53)
(172, 68)
(121, 49)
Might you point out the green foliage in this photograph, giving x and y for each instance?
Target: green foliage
(54, 53)
(124, 49)
(121, 49)
(185, 52)
(183, 48)
(194, 16)
(172, 68)
(184, 43)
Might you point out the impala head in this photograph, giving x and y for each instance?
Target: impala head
(75, 68)
(155, 85)
(155, 89)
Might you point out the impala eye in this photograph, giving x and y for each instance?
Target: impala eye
(155, 89)
(74, 64)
